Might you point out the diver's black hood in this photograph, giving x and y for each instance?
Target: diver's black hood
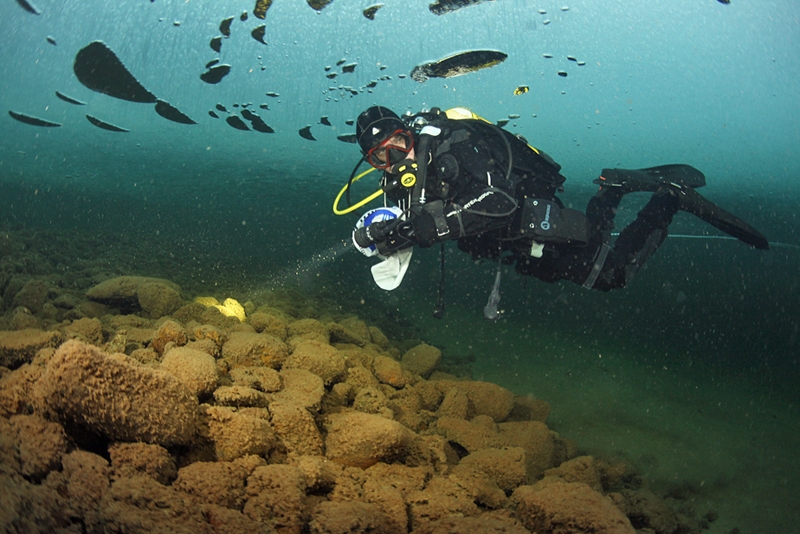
(375, 125)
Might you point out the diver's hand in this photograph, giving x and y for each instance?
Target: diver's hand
(398, 238)
(374, 227)
(376, 232)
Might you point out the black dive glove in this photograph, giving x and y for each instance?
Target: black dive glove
(388, 236)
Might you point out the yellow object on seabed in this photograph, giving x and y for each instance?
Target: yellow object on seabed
(229, 308)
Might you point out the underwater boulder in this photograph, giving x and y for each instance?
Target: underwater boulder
(568, 507)
(121, 291)
(117, 400)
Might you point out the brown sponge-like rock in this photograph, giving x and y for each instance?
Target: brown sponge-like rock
(569, 507)
(264, 379)
(296, 429)
(140, 504)
(82, 385)
(422, 359)
(122, 290)
(488, 399)
(20, 346)
(505, 467)
(169, 332)
(87, 476)
(88, 330)
(251, 349)
(39, 443)
(158, 299)
(235, 435)
(389, 371)
(354, 516)
(323, 360)
(195, 369)
(276, 496)
(15, 389)
(136, 459)
(378, 439)
(220, 483)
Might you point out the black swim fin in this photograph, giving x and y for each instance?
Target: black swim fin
(693, 202)
(650, 179)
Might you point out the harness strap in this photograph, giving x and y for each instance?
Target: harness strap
(436, 210)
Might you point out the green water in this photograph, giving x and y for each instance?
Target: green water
(690, 372)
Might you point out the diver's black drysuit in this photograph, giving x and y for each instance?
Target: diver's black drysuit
(495, 194)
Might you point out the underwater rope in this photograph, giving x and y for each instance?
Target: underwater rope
(690, 236)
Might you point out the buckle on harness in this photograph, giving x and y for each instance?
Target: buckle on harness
(436, 210)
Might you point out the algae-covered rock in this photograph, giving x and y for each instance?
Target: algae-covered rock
(301, 387)
(236, 435)
(296, 429)
(304, 329)
(220, 483)
(276, 496)
(422, 359)
(140, 504)
(505, 467)
(87, 482)
(568, 507)
(321, 359)
(242, 396)
(122, 291)
(86, 330)
(264, 379)
(251, 349)
(195, 369)
(389, 371)
(470, 436)
(16, 390)
(583, 469)
(169, 332)
(40, 444)
(343, 334)
(646, 510)
(20, 346)
(136, 459)
(486, 398)
(351, 516)
(120, 401)
(158, 299)
(269, 323)
(455, 404)
(33, 295)
(378, 439)
(537, 440)
(378, 337)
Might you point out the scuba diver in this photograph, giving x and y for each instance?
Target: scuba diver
(455, 176)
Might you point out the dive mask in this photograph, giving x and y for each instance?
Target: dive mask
(391, 151)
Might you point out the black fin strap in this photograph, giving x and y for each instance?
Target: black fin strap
(438, 312)
(598, 265)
